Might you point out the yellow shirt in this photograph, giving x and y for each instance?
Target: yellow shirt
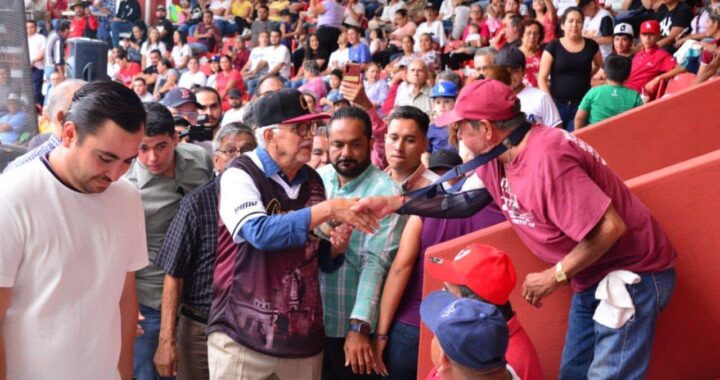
(241, 8)
(275, 8)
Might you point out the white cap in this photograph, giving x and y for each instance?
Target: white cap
(624, 28)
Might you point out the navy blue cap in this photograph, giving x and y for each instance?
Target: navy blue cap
(179, 96)
(472, 333)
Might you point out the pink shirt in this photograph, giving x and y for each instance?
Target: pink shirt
(316, 86)
(532, 67)
(556, 191)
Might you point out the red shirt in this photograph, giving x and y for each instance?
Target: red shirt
(648, 64)
(125, 76)
(241, 58)
(532, 67)
(556, 191)
(222, 82)
(78, 24)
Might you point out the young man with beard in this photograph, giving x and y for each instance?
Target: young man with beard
(235, 112)
(351, 294)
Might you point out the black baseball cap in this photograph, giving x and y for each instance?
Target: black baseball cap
(510, 56)
(287, 106)
(234, 93)
(583, 3)
(179, 96)
(445, 159)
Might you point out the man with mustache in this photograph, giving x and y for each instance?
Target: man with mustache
(405, 142)
(351, 294)
(163, 172)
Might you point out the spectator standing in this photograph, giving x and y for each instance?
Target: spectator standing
(330, 14)
(546, 15)
(128, 13)
(354, 14)
(567, 66)
(39, 278)
(405, 143)
(623, 38)
(163, 173)
(55, 49)
(536, 104)
(351, 293)
(36, 50)
(210, 104)
(187, 257)
(530, 47)
(598, 25)
(276, 192)
(613, 98)
(164, 26)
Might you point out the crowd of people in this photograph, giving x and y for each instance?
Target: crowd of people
(249, 177)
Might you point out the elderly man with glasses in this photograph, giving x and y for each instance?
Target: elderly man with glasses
(266, 317)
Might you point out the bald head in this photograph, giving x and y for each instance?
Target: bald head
(59, 102)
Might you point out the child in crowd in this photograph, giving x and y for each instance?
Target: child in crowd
(334, 80)
(653, 64)
(613, 98)
(443, 97)
(377, 41)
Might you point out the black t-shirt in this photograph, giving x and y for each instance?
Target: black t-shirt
(319, 54)
(681, 16)
(165, 24)
(570, 72)
(607, 26)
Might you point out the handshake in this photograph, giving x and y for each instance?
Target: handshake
(363, 214)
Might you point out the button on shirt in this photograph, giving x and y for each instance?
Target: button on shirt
(188, 251)
(161, 196)
(353, 291)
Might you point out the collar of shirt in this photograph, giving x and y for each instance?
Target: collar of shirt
(353, 184)
(416, 180)
(270, 167)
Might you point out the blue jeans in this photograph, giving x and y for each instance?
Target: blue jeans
(226, 28)
(598, 352)
(567, 112)
(146, 345)
(118, 27)
(401, 353)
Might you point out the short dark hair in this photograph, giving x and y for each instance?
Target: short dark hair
(356, 114)
(617, 68)
(166, 62)
(412, 113)
(568, 11)
(208, 89)
(159, 120)
(263, 6)
(31, 22)
(121, 53)
(96, 102)
(401, 12)
(540, 28)
(63, 25)
(337, 72)
(139, 79)
(156, 51)
(517, 22)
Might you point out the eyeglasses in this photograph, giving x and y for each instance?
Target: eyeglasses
(232, 151)
(302, 130)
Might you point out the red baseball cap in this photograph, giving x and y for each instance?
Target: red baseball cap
(650, 27)
(486, 270)
(485, 99)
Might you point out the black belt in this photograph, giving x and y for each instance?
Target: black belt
(195, 315)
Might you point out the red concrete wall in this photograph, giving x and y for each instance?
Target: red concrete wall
(663, 133)
(684, 199)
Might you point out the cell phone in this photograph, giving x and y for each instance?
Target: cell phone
(352, 72)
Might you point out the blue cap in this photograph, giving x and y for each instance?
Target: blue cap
(215, 58)
(471, 332)
(335, 96)
(444, 89)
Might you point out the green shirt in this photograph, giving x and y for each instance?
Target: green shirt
(160, 197)
(353, 291)
(606, 101)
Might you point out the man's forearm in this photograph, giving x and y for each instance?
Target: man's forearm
(172, 290)
(128, 324)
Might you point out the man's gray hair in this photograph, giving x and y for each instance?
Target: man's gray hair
(61, 97)
(259, 135)
(231, 130)
(486, 51)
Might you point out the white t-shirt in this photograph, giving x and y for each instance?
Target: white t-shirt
(562, 5)
(539, 107)
(188, 79)
(593, 25)
(257, 55)
(233, 115)
(359, 8)
(36, 48)
(275, 55)
(388, 13)
(339, 58)
(435, 29)
(180, 54)
(65, 255)
(219, 4)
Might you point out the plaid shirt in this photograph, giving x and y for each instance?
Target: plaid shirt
(353, 291)
(188, 251)
(41, 151)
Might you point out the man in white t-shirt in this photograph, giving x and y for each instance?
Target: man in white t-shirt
(140, 87)
(72, 239)
(193, 76)
(536, 104)
(432, 26)
(36, 49)
(277, 56)
(598, 25)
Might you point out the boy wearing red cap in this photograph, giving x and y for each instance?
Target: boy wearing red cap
(485, 273)
(652, 64)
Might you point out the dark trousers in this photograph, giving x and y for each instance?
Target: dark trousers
(327, 37)
(37, 81)
(567, 110)
(192, 350)
(334, 363)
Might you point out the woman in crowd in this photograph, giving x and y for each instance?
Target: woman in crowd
(375, 88)
(311, 52)
(428, 52)
(153, 42)
(227, 79)
(546, 15)
(167, 78)
(530, 46)
(567, 66)
(330, 14)
(193, 76)
(134, 43)
(181, 51)
(408, 54)
(214, 70)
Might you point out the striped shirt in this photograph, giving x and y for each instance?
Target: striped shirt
(353, 291)
(40, 151)
(188, 251)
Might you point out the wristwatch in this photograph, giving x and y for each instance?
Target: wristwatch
(360, 327)
(560, 275)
